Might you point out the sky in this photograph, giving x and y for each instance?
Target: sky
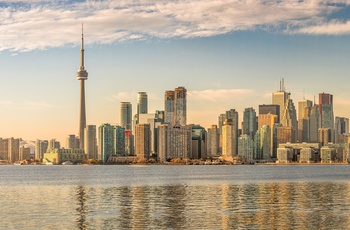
(228, 54)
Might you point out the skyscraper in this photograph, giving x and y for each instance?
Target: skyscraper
(341, 127)
(90, 142)
(40, 148)
(326, 112)
(213, 141)
(315, 123)
(142, 141)
(82, 75)
(228, 136)
(105, 142)
(289, 117)
(126, 115)
(249, 122)
(180, 105)
(142, 104)
(169, 107)
(304, 109)
(232, 116)
(280, 98)
(272, 109)
(72, 142)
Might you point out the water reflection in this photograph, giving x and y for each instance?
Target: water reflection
(82, 209)
(303, 205)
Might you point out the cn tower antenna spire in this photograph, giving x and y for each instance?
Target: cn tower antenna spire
(82, 67)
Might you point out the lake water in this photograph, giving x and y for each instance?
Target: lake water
(175, 197)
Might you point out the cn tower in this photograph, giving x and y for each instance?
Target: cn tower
(82, 75)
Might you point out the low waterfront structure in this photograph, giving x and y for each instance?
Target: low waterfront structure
(284, 155)
(307, 155)
(328, 155)
(58, 156)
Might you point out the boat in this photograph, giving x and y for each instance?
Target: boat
(67, 163)
(49, 163)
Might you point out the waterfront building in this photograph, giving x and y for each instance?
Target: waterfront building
(180, 106)
(174, 142)
(297, 148)
(328, 155)
(275, 139)
(249, 122)
(169, 107)
(40, 148)
(58, 156)
(304, 109)
(315, 123)
(232, 116)
(129, 143)
(142, 141)
(90, 142)
(154, 120)
(341, 127)
(284, 155)
(307, 155)
(289, 117)
(326, 112)
(9, 149)
(82, 75)
(126, 115)
(265, 143)
(72, 142)
(199, 142)
(213, 141)
(105, 142)
(324, 136)
(246, 148)
(272, 109)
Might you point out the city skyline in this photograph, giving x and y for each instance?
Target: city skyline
(222, 66)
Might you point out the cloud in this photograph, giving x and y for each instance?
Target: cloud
(215, 95)
(35, 24)
(123, 96)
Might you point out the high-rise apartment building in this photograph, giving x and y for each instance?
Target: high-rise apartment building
(174, 142)
(82, 75)
(142, 141)
(228, 137)
(265, 142)
(9, 149)
(169, 108)
(90, 142)
(154, 120)
(54, 144)
(285, 135)
(142, 104)
(249, 122)
(304, 110)
(105, 142)
(40, 148)
(246, 147)
(213, 141)
(199, 142)
(232, 116)
(119, 140)
(326, 112)
(180, 105)
(126, 115)
(72, 142)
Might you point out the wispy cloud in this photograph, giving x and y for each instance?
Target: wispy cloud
(40, 24)
(213, 95)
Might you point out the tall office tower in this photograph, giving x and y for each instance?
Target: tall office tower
(180, 105)
(142, 141)
(105, 142)
(280, 98)
(221, 120)
(40, 148)
(54, 144)
(72, 142)
(90, 142)
(82, 75)
(142, 104)
(228, 136)
(324, 136)
(326, 112)
(341, 126)
(249, 122)
(174, 142)
(213, 141)
(126, 115)
(315, 123)
(169, 107)
(246, 147)
(272, 109)
(119, 140)
(268, 120)
(285, 134)
(275, 139)
(199, 142)
(265, 142)
(304, 109)
(289, 118)
(232, 115)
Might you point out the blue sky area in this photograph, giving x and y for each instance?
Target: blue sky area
(228, 54)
